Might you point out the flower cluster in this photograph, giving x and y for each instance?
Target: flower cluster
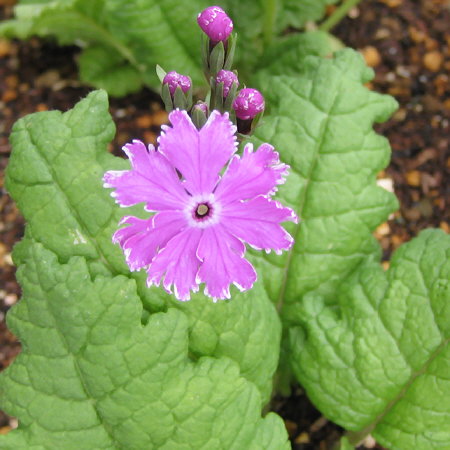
(207, 200)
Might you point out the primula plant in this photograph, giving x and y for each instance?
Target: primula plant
(168, 296)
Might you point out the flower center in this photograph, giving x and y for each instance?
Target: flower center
(202, 211)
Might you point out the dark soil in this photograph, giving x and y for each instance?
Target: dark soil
(407, 43)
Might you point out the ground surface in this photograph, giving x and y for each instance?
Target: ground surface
(408, 44)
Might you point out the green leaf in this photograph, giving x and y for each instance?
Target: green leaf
(380, 362)
(102, 67)
(138, 34)
(321, 123)
(285, 56)
(91, 376)
(55, 176)
(258, 23)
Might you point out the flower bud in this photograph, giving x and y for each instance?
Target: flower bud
(248, 103)
(202, 106)
(227, 78)
(215, 23)
(199, 114)
(174, 79)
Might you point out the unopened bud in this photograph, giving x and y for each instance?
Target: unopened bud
(199, 114)
(215, 23)
(202, 106)
(248, 103)
(227, 78)
(174, 79)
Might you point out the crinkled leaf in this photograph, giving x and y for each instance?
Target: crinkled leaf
(91, 376)
(55, 176)
(285, 56)
(321, 123)
(381, 361)
(141, 34)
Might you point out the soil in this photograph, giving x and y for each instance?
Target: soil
(406, 42)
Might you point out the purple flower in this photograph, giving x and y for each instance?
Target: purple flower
(248, 103)
(215, 23)
(174, 79)
(227, 78)
(202, 218)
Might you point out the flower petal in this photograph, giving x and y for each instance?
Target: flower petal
(198, 155)
(256, 173)
(223, 263)
(217, 145)
(152, 180)
(142, 239)
(178, 264)
(257, 222)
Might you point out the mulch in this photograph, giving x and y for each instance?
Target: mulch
(407, 42)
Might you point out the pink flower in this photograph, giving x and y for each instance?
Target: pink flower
(202, 217)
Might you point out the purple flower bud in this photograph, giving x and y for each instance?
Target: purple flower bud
(202, 106)
(248, 103)
(174, 79)
(215, 23)
(227, 78)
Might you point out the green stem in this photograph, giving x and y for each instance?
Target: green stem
(269, 21)
(338, 14)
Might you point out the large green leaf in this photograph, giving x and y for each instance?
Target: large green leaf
(285, 56)
(55, 176)
(91, 376)
(321, 123)
(380, 363)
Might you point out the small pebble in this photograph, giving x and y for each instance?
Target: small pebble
(9, 95)
(392, 3)
(5, 47)
(120, 113)
(371, 55)
(160, 118)
(383, 230)
(433, 61)
(444, 226)
(413, 178)
(10, 299)
(144, 121)
(302, 438)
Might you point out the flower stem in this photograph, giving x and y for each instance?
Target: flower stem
(269, 21)
(338, 14)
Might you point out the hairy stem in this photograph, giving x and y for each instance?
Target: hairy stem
(338, 14)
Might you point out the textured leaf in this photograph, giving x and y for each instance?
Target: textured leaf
(321, 123)
(381, 361)
(255, 18)
(55, 176)
(285, 56)
(91, 376)
(140, 34)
